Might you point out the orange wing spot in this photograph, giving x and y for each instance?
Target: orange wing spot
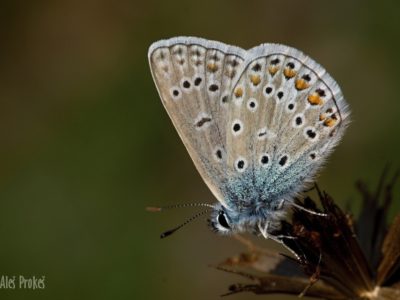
(322, 117)
(272, 70)
(329, 122)
(289, 73)
(238, 92)
(301, 84)
(212, 67)
(255, 79)
(315, 99)
(230, 73)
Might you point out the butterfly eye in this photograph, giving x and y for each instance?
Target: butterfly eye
(222, 220)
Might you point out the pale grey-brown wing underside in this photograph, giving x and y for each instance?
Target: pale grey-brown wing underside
(263, 119)
(194, 78)
(286, 116)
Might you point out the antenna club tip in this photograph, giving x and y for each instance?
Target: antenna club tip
(167, 233)
(153, 209)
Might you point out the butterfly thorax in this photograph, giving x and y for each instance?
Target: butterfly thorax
(248, 202)
(228, 220)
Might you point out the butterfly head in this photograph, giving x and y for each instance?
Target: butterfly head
(224, 221)
(246, 218)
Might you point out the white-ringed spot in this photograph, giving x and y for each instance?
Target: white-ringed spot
(252, 104)
(202, 121)
(175, 92)
(237, 127)
(240, 164)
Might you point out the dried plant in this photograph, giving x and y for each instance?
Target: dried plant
(339, 258)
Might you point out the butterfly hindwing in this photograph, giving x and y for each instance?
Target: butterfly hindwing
(291, 114)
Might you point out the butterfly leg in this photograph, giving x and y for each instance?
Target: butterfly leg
(280, 205)
(276, 238)
(308, 210)
(267, 235)
(264, 230)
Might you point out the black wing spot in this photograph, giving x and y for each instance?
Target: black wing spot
(179, 51)
(262, 133)
(291, 106)
(175, 93)
(215, 57)
(275, 61)
(306, 77)
(213, 88)
(256, 67)
(240, 164)
(162, 55)
(290, 65)
(283, 160)
(186, 84)
(203, 121)
(299, 121)
(311, 133)
(196, 53)
(320, 92)
(234, 63)
(236, 127)
(264, 159)
(280, 95)
(197, 81)
(218, 153)
(268, 90)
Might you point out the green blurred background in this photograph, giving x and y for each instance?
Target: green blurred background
(85, 143)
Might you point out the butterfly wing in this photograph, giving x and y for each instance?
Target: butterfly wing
(194, 78)
(289, 114)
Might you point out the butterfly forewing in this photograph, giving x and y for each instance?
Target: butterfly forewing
(194, 78)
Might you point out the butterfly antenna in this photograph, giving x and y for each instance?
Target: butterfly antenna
(183, 205)
(171, 231)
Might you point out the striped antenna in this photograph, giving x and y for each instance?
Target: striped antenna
(183, 205)
(171, 231)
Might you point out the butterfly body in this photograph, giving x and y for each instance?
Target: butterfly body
(248, 203)
(258, 124)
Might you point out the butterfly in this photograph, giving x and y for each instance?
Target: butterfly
(258, 123)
